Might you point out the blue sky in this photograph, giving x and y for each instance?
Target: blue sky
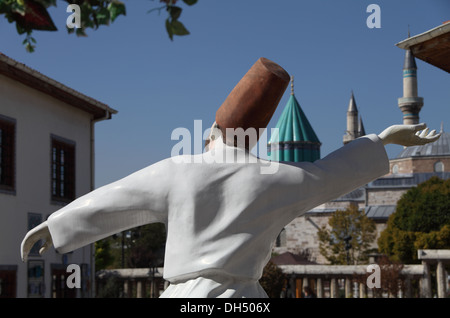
(158, 85)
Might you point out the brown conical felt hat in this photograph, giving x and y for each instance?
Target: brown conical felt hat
(253, 101)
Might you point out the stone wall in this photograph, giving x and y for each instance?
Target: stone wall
(301, 236)
(383, 197)
(417, 165)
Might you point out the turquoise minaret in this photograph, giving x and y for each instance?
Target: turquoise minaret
(294, 138)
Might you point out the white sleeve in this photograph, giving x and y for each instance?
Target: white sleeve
(306, 185)
(135, 200)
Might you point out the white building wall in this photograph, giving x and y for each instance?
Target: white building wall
(301, 237)
(38, 116)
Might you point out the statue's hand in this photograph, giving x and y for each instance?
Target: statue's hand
(40, 232)
(408, 135)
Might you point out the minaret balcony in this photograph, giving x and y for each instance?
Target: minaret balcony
(405, 101)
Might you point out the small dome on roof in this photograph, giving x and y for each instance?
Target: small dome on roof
(440, 147)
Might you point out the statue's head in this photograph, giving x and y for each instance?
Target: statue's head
(247, 110)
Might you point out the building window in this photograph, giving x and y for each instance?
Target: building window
(439, 166)
(36, 283)
(8, 281)
(63, 170)
(395, 169)
(7, 153)
(34, 219)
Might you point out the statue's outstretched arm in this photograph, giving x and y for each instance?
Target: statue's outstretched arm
(347, 168)
(408, 135)
(135, 200)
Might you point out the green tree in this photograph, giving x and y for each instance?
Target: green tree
(31, 15)
(111, 286)
(351, 225)
(272, 280)
(140, 247)
(103, 254)
(421, 220)
(145, 246)
(434, 239)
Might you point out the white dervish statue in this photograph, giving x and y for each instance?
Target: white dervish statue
(223, 216)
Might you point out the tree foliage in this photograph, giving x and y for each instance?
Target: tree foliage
(146, 245)
(421, 221)
(272, 280)
(350, 223)
(140, 247)
(31, 15)
(103, 254)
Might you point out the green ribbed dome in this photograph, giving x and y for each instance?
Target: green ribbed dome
(295, 139)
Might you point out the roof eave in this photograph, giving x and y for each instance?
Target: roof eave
(425, 36)
(432, 46)
(40, 82)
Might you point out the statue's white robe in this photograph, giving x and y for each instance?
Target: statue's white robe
(221, 217)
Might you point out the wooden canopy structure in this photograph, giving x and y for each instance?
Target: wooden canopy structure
(432, 46)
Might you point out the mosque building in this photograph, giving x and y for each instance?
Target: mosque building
(297, 141)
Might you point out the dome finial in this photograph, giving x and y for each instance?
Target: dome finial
(292, 84)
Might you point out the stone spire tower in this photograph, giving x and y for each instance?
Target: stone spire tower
(355, 127)
(410, 104)
(361, 130)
